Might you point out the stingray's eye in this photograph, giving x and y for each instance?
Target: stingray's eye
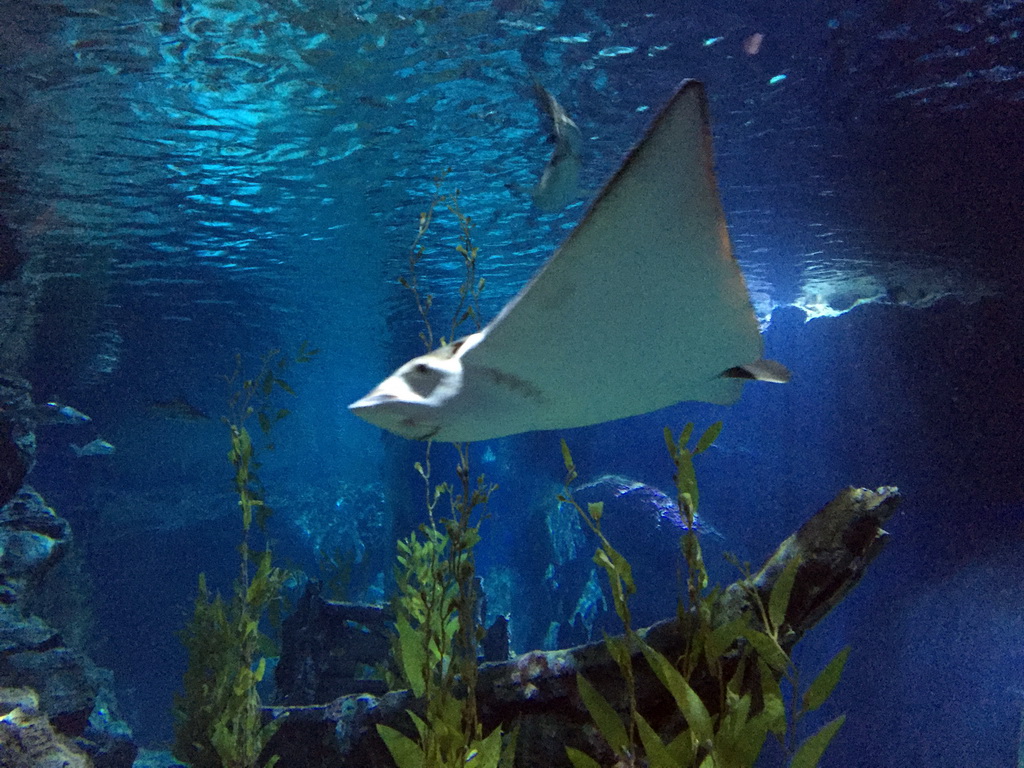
(422, 378)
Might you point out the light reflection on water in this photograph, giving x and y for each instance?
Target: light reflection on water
(236, 137)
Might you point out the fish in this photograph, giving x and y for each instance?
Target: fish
(57, 413)
(49, 413)
(177, 408)
(643, 306)
(98, 447)
(559, 183)
(752, 44)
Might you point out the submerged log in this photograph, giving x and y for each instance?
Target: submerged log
(538, 689)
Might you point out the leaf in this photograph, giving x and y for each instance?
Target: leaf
(686, 480)
(242, 443)
(768, 651)
(682, 749)
(421, 727)
(687, 700)
(413, 655)
(264, 422)
(774, 709)
(405, 752)
(772, 716)
(722, 638)
(567, 458)
(601, 558)
(657, 754)
(825, 682)
(809, 753)
(618, 649)
(605, 718)
(740, 737)
(581, 759)
(488, 751)
(710, 435)
(508, 752)
(778, 602)
(684, 437)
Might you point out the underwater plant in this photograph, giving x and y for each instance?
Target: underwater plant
(219, 719)
(741, 661)
(436, 607)
(438, 632)
(467, 307)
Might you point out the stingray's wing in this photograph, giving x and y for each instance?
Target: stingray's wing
(644, 305)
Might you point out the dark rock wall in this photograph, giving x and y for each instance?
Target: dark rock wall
(73, 694)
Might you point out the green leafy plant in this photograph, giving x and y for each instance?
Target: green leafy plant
(743, 660)
(466, 309)
(437, 633)
(437, 626)
(219, 720)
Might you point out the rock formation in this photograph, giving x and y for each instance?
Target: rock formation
(538, 689)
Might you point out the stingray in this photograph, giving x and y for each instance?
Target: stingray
(642, 306)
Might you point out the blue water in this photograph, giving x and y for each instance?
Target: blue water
(189, 180)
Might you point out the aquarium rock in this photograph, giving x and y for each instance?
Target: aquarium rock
(71, 692)
(17, 438)
(27, 739)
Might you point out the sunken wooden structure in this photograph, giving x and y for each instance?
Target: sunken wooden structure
(538, 689)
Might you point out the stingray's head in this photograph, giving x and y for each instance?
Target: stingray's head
(415, 400)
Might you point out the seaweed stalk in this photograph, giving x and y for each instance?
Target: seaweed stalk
(219, 720)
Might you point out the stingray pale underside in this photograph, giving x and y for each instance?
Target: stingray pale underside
(641, 307)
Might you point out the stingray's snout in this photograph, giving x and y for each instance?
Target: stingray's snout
(372, 400)
(373, 407)
(387, 411)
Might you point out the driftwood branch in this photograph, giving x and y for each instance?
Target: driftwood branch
(538, 689)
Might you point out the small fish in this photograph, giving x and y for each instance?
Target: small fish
(178, 408)
(98, 447)
(49, 413)
(752, 44)
(55, 413)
